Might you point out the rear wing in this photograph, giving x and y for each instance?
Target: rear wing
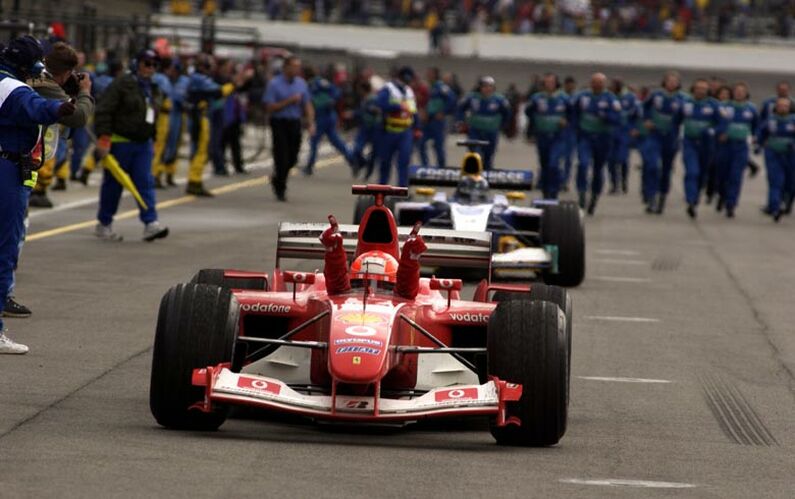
(449, 248)
(517, 180)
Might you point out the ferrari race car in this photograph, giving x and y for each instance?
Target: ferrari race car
(283, 342)
(547, 237)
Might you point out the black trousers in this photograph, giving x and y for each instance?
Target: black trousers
(286, 143)
(231, 140)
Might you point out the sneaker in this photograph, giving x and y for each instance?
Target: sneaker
(153, 230)
(691, 211)
(105, 232)
(16, 310)
(9, 346)
(197, 189)
(60, 185)
(39, 199)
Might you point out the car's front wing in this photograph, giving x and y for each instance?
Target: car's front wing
(223, 386)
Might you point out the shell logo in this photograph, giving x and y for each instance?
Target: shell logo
(360, 318)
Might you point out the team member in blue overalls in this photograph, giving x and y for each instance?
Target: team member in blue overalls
(741, 121)
(399, 108)
(546, 115)
(768, 107)
(485, 113)
(722, 153)
(618, 164)
(700, 122)
(22, 112)
(569, 135)
(176, 120)
(595, 112)
(661, 112)
(777, 136)
(324, 97)
(441, 104)
(125, 123)
(369, 118)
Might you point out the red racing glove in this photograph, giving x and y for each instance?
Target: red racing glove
(408, 273)
(335, 268)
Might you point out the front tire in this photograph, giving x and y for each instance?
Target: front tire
(562, 226)
(196, 327)
(526, 344)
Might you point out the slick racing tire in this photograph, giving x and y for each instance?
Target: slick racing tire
(216, 277)
(196, 327)
(562, 226)
(364, 202)
(542, 292)
(526, 344)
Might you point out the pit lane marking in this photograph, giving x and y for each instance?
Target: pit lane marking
(619, 482)
(620, 252)
(616, 261)
(607, 278)
(168, 204)
(625, 380)
(617, 318)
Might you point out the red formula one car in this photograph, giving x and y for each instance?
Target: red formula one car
(373, 343)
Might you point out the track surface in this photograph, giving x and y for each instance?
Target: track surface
(682, 367)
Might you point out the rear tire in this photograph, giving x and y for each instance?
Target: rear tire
(215, 277)
(562, 226)
(526, 344)
(196, 327)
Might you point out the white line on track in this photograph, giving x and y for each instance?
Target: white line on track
(617, 482)
(617, 261)
(607, 278)
(616, 318)
(610, 251)
(624, 380)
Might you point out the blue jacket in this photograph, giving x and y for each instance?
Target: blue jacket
(631, 111)
(596, 113)
(324, 96)
(545, 111)
(484, 114)
(22, 110)
(740, 120)
(369, 114)
(664, 110)
(398, 106)
(701, 118)
(777, 133)
(442, 100)
(202, 88)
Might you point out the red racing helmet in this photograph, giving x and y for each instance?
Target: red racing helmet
(376, 265)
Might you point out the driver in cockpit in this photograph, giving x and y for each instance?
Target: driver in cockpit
(402, 277)
(472, 189)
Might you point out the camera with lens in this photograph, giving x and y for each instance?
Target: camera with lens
(72, 84)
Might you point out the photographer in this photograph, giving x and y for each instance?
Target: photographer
(22, 114)
(60, 82)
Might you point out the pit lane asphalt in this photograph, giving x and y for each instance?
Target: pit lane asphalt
(704, 308)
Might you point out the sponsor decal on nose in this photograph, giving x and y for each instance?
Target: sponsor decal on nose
(257, 384)
(267, 308)
(456, 394)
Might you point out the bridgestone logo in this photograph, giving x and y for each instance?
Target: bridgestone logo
(266, 308)
(470, 317)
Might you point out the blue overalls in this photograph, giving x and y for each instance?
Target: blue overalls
(663, 110)
(618, 165)
(22, 110)
(369, 117)
(570, 147)
(441, 104)
(324, 97)
(595, 115)
(700, 122)
(485, 117)
(777, 135)
(179, 92)
(740, 123)
(547, 113)
(399, 107)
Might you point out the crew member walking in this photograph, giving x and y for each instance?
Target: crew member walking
(125, 123)
(287, 99)
(546, 114)
(777, 136)
(700, 121)
(399, 108)
(441, 104)
(486, 112)
(741, 124)
(325, 96)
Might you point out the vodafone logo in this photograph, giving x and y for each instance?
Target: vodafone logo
(360, 331)
(457, 394)
(257, 384)
(266, 308)
(470, 317)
